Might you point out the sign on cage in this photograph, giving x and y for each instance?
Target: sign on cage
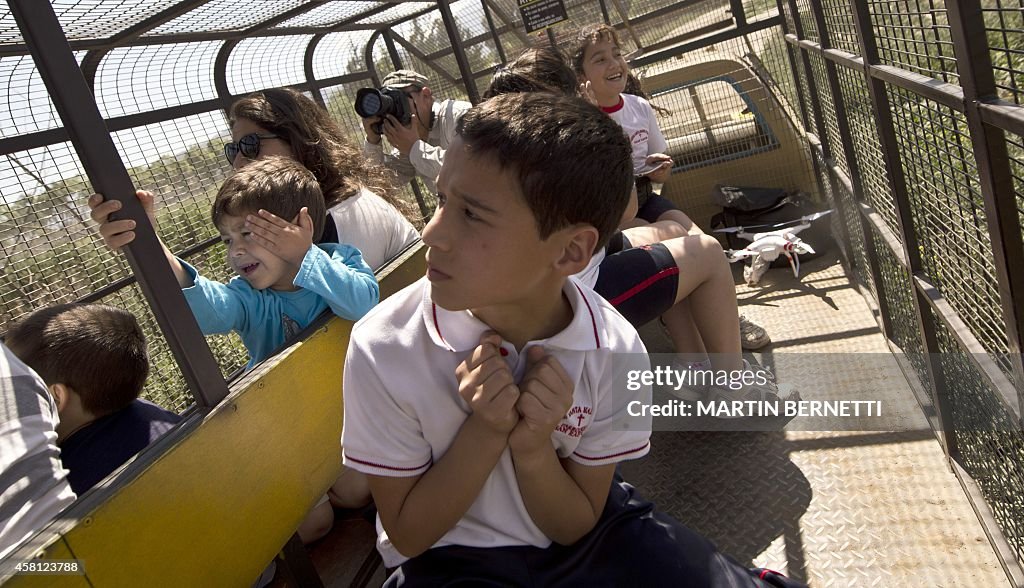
(540, 14)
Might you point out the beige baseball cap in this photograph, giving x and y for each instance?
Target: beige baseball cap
(403, 78)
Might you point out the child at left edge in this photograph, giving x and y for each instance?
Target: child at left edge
(283, 280)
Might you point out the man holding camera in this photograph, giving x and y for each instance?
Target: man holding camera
(419, 130)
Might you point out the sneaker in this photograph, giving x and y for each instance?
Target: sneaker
(694, 392)
(752, 335)
(767, 392)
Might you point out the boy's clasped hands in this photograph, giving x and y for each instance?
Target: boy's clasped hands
(527, 413)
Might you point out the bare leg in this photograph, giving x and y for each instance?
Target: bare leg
(679, 217)
(705, 279)
(351, 490)
(679, 319)
(318, 522)
(631, 223)
(645, 234)
(683, 331)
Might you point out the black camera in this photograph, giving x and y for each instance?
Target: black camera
(373, 102)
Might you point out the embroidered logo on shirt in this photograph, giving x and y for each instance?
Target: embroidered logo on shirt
(576, 421)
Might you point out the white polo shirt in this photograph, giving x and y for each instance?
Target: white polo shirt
(640, 124)
(403, 409)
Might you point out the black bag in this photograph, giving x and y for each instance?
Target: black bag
(761, 210)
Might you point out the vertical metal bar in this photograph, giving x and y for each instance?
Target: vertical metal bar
(74, 102)
(815, 112)
(371, 68)
(90, 65)
(812, 86)
(624, 15)
(420, 200)
(846, 137)
(460, 53)
(510, 24)
(389, 42)
(738, 15)
(894, 170)
(307, 66)
(823, 138)
(604, 12)
(494, 32)
(220, 73)
(977, 79)
(792, 66)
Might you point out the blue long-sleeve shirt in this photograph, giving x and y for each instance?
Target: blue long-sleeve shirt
(331, 276)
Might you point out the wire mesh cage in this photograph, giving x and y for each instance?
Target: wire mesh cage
(163, 71)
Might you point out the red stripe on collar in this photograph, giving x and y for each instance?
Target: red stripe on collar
(616, 108)
(437, 327)
(593, 321)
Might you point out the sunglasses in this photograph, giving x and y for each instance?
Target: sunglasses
(248, 146)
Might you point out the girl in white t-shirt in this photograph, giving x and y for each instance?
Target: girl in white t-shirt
(606, 81)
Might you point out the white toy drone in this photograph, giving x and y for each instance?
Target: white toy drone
(766, 246)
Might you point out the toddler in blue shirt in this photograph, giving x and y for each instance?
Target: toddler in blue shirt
(284, 281)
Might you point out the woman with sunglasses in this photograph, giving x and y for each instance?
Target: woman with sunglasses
(361, 204)
(362, 207)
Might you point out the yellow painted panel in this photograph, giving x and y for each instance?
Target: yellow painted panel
(214, 508)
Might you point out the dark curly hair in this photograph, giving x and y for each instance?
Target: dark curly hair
(594, 33)
(317, 143)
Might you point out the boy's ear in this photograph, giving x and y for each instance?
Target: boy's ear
(61, 395)
(578, 249)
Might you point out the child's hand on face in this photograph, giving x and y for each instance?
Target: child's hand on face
(545, 398)
(288, 240)
(118, 233)
(486, 384)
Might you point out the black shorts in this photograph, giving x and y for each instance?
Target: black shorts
(632, 544)
(640, 282)
(650, 205)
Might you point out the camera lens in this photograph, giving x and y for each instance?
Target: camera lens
(371, 104)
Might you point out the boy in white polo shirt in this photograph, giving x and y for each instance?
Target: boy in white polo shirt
(481, 400)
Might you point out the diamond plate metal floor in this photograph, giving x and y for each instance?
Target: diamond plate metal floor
(827, 508)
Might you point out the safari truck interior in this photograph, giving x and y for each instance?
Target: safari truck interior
(903, 118)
